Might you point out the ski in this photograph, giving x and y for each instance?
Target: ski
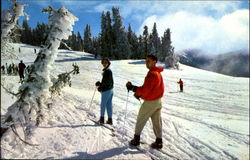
(144, 148)
(107, 126)
(151, 152)
(103, 125)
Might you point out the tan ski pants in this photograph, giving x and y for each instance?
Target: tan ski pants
(150, 109)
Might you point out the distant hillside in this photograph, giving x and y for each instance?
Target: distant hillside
(232, 63)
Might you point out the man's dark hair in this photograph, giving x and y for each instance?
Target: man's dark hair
(153, 57)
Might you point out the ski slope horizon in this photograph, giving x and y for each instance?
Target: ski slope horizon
(210, 120)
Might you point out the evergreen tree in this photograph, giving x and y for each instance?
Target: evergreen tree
(40, 34)
(145, 41)
(79, 42)
(87, 41)
(141, 54)
(26, 33)
(103, 34)
(154, 42)
(109, 35)
(73, 42)
(167, 51)
(121, 49)
(97, 46)
(133, 43)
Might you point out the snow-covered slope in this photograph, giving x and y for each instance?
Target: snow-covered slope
(210, 120)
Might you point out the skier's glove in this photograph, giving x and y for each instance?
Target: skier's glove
(131, 87)
(137, 96)
(98, 83)
(99, 89)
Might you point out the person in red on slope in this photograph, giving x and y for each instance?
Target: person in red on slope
(151, 92)
(181, 85)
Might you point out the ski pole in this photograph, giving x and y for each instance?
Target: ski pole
(177, 87)
(125, 114)
(92, 99)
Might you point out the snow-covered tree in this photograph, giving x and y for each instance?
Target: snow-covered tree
(8, 24)
(167, 51)
(34, 95)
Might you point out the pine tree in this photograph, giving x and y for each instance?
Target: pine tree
(133, 43)
(145, 41)
(141, 54)
(97, 46)
(109, 37)
(154, 42)
(26, 33)
(121, 49)
(167, 51)
(87, 41)
(79, 42)
(103, 35)
(40, 34)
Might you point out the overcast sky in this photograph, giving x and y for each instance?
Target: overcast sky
(213, 26)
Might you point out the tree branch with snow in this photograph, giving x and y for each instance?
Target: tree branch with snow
(30, 108)
(8, 24)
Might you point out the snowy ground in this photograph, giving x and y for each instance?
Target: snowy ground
(210, 120)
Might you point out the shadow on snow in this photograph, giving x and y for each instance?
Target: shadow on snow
(88, 58)
(104, 154)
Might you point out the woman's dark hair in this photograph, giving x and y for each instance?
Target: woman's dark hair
(153, 57)
(107, 60)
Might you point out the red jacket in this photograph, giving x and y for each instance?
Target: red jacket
(180, 82)
(153, 87)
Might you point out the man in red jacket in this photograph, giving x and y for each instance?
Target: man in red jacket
(151, 91)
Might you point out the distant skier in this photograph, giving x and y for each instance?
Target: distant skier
(21, 68)
(106, 89)
(151, 91)
(181, 85)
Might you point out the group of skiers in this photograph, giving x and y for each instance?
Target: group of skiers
(13, 69)
(151, 92)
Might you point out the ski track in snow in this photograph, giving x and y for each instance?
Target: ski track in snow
(208, 121)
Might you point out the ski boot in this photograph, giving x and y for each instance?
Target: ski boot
(101, 121)
(135, 141)
(157, 144)
(109, 121)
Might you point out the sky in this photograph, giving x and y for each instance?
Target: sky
(215, 27)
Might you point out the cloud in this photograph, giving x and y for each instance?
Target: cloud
(213, 35)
